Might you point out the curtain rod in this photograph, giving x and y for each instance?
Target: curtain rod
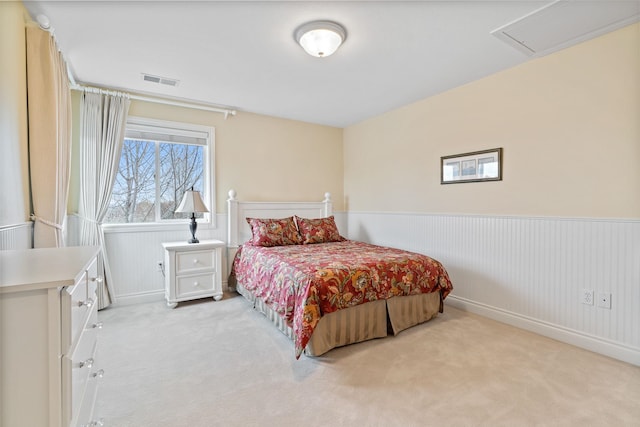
(158, 100)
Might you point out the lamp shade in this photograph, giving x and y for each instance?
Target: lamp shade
(320, 38)
(192, 202)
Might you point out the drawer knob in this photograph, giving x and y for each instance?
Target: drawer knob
(97, 279)
(97, 325)
(88, 363)
(195, 261)
(196, 284)
(98, 374)
(87, 303)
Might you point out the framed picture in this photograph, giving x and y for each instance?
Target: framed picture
(477, 166)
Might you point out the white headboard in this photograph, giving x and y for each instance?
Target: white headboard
(238, 230)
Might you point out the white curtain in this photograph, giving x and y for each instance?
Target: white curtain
(103, 117)
(49, 115)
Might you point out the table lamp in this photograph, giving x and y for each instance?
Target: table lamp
(192, 202)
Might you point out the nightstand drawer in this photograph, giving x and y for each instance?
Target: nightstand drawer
(193, 261)
(187, 285)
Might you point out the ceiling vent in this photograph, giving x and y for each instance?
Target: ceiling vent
(160, 80)
(564, 23)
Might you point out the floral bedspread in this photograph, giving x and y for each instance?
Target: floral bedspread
(304, 282)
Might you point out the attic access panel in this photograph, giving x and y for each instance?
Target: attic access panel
(564, 23)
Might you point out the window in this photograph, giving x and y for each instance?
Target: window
(159, 161)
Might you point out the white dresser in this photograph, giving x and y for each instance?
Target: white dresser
(48, 331)
(193, 270)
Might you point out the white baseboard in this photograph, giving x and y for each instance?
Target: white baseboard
(139, 298)
(597, 345)
(151, 296)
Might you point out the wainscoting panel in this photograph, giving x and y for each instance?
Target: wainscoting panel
(531, 272)
(16, 236)
(528, 272)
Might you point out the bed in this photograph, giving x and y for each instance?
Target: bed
(320, 289)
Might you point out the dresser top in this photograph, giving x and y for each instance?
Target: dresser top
(43, 268)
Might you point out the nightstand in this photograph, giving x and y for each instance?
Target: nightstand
(192, 271)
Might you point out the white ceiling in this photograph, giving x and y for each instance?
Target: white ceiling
(242, 54)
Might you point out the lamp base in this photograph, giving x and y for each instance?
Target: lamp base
(193, 226)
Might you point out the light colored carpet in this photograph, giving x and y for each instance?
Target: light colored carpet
(210, 363)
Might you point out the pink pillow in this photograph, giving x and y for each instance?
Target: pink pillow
(319, 230)
(273, 232)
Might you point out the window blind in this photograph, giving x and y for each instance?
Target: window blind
(165, 134)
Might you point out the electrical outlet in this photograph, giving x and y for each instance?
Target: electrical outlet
(587, 296)
(604, 300)
(159, 266)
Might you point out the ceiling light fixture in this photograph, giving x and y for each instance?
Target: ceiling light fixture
(320, 38)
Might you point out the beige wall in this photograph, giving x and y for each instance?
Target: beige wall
(14, 178)
(261, 157)
(569, 124)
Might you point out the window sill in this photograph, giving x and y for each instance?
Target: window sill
(153, 227)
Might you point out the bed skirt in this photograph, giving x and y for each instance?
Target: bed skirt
(360, 323)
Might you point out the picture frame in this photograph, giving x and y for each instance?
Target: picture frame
(477, 166)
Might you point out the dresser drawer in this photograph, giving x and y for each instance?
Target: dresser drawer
(78, 369)
(77, 301)
(191, 261)
(76, 304)
(191, 285)
(85, 414)
(93, 280)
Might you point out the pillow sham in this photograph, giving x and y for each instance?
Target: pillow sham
(273, 232)
(318, 230)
